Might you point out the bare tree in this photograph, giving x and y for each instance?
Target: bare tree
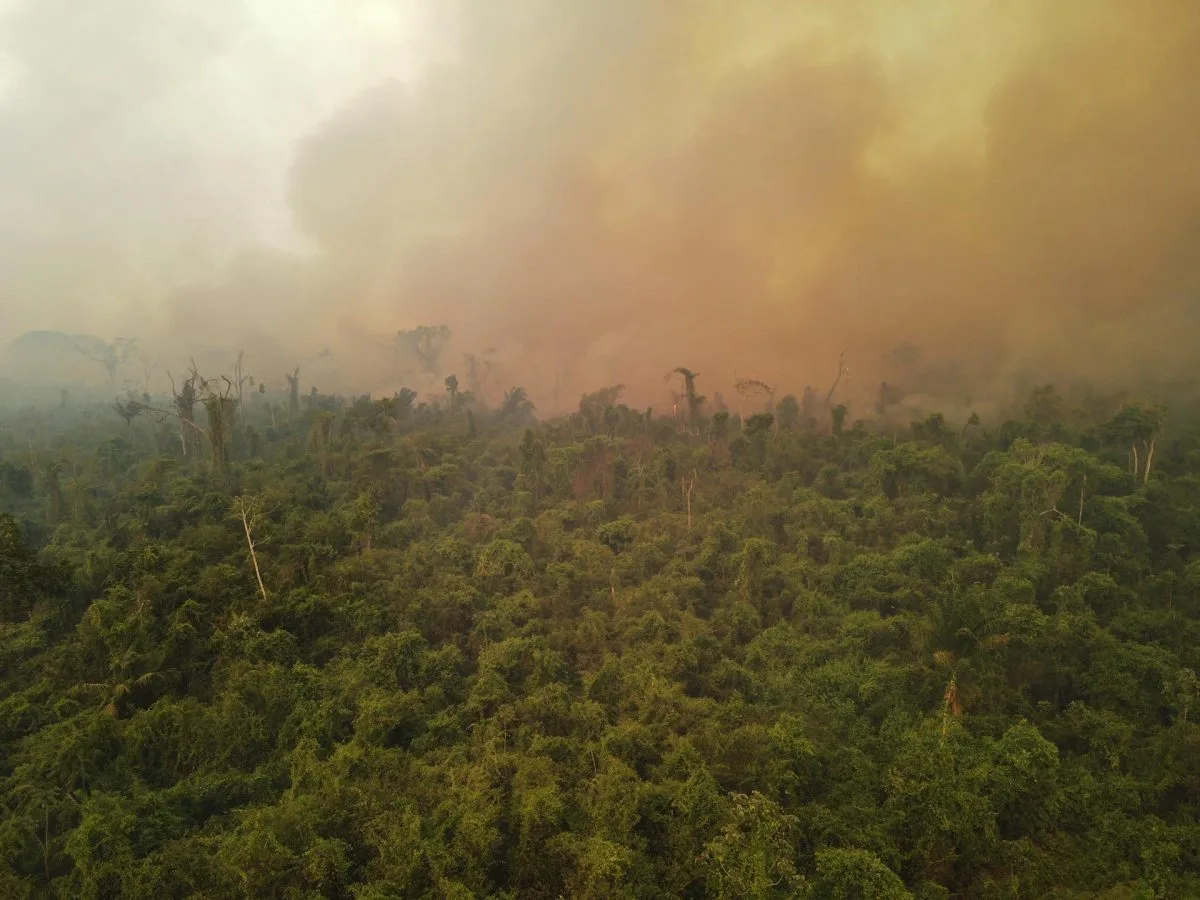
(752, 387)
(219, 404)
(842, 371)
(183, 399)
(249, 511)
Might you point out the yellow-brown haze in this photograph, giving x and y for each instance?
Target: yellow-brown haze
(603, 190)
(617, 188)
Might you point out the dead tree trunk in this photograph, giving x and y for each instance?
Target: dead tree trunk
(842, 370)
(249, 513)
(184, 400)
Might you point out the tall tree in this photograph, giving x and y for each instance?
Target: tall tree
(694, 401)
(293, 382)
(23, 580)
(240, 379)
(320, 438)
(592, 407)
(842, 372)
(183, 401)
(533, 463)
(426, 343)
(219, 404)
(479, 372)
(516, 406)
(110, 354)
(1137, 427)
(752, 388)
(129, 410)
(51, 473)
(248, 511)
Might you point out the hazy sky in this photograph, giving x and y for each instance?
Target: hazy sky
(602, 190)
(140, 141)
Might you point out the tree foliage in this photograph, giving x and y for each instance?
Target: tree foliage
(386, 647)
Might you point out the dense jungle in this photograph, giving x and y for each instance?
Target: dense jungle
(284, 644)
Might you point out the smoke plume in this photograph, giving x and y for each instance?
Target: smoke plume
(599, 191)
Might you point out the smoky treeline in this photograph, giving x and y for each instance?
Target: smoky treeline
(205, 399)
(263, 639)
(951, 204)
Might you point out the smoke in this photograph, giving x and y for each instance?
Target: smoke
(1013, 188)
(606, 189)
(143, 146)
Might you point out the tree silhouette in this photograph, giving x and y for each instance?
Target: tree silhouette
(293, 382)
(1136, 427)
(249, 512)
(129, 410)
(593, 406)
(516, 404)
(694, 401)
(426, 342)
(841, 372)
(183, 400)
(110, 354)
(752, 387)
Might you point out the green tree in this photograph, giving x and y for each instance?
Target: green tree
(753, 855)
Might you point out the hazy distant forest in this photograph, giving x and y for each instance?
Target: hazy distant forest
(276, 643)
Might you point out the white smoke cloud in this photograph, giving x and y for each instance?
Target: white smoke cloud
(141, 144)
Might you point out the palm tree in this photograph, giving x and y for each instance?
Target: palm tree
(958, 665)
(129, 410)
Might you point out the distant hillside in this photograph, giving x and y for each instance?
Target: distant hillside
(51, 359)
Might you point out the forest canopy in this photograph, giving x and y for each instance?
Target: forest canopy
(681, 449)
(286, 644)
